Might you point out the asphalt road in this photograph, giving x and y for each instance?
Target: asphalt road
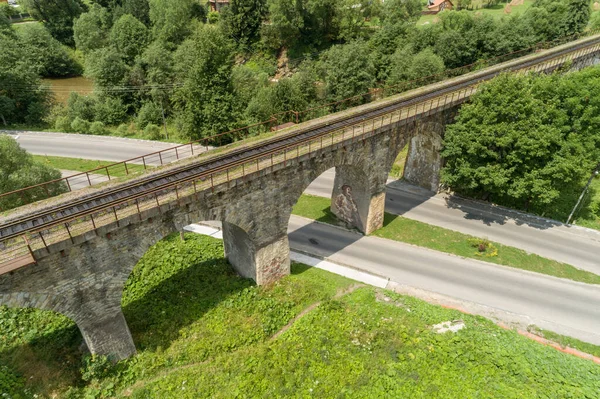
(575, 246)
(563, 306)
(87, 146)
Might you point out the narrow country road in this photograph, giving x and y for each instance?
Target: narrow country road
(563, 306)
(575, 246)
(105, 148)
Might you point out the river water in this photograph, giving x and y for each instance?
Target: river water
(63, 87)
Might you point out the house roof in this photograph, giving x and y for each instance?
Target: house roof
(436, 3)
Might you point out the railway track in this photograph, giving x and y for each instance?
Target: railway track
(48, 217)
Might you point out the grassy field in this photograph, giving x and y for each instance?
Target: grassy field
(84, 165)
(202, 331)
(496, 11)
(425, 235)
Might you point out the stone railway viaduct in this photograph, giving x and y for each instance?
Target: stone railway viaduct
(82, 276)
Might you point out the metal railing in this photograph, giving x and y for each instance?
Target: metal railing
(14, 249)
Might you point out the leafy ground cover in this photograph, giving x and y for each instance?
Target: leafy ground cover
(425, 235)
(83, 165)
(202, 331)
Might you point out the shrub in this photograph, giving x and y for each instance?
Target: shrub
(96, 367)
(110, 110)
(213, 17)
(149, 113)
(152, 132)
(80, 126)
(62, 123)
(123, 130)
(98, 128)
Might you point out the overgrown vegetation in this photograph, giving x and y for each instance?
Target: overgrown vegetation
(425, 235)
(18, 169)
(201, 331)
(528, 142)
(208, 72)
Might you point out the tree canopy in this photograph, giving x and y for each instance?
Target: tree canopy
(524, 141)
(19, 170)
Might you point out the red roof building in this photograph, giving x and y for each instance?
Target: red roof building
(439, 5)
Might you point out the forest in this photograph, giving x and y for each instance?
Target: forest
(200, 72)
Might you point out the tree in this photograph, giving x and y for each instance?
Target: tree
(129, 36)
(347, 71)
(243, 19)
(57, 15)
(4, 23)
(171, 20)
(155, 68)
(140, 9)
(407, 66)
(304, 22)
(518, 144)
(44, 53)
(553, 19)
(284, 95)
(204, 104)
(19, 170)
(578, 16)
(91, 29)
(21, 97)
(107, 68)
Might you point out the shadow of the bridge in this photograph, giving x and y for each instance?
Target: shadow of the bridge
(404, 197)
(50, 358)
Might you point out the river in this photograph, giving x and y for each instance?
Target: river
(63, 87)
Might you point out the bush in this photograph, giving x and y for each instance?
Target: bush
(82, 107)
(152, 132)
(98, 128)
(62, 123)
(213, 17)
(110, 110)
(123, 130)
(149, 113)
(80, 126)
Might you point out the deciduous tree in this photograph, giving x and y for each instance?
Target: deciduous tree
(203, 63)
(19, 170)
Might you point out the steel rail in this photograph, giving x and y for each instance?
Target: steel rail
(255, 152)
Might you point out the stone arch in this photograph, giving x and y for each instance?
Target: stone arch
(358, 192)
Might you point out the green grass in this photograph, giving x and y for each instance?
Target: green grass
(413, 232)
(84, 165)
(496, 11)
(202, 331)
(398, 166)
(565, 341)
